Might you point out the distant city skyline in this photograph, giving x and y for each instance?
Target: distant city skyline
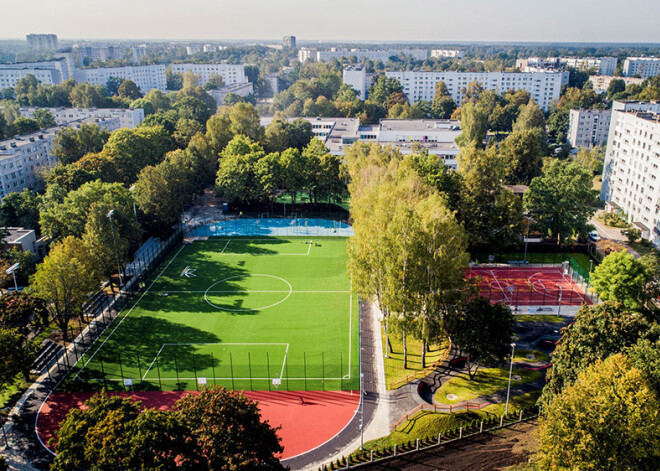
(609, 21)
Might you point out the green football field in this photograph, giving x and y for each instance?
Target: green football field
(246, 313)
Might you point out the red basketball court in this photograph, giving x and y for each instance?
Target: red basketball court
(308, 418)
(529, 286)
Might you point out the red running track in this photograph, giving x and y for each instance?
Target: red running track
(304, 425)
(529, 286)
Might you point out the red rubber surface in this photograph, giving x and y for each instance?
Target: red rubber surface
(528, 286)
(308, 418)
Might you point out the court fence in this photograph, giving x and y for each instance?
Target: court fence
(233, 226)
(363, 458)
(263, 371)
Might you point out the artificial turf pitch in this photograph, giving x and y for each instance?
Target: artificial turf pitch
(238, 312)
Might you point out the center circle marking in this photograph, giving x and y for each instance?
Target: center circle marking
(247, 292)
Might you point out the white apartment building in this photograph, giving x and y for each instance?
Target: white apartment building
(304, 54)
(146, 77)
(588, 128)
(542, 86)
(455, 53)
(643, 66)
(126, 117)
(631, 175)
(139, 52)
(230, 73)
(97, 54)
(42, 42)
(603, 65)
(601, 83)
(437, 136)
(50, 72)
(22, 158)
(356, 76)
(383, 55)
(191, 50)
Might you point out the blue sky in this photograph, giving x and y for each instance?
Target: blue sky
(414, 20)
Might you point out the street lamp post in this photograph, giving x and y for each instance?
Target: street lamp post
(361, 412)
(114, 242)
(526, 239)
(508, 389)
(132, 190)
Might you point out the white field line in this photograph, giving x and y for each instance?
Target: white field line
(350, 330)
(286, 351)
(225, 247)
(506, 298)
(127, 314)
(229, 378)
(248, 291)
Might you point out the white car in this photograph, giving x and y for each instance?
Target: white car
(593, 235)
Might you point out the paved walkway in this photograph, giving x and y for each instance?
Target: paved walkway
(612, 233)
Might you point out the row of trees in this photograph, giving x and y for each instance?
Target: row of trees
(409, 254)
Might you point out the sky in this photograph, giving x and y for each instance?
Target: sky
(365, 20)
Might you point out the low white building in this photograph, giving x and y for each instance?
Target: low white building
(601, 83)
(230, 73)
(544, 87)
(126, 117)
(240, 89)
(437, 136)
(631, 175)
(454, 53)
(641, 66)
(23, 240)
(588, 128)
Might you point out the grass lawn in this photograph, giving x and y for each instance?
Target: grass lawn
(538, 318)
(521, 355)
(487, 381)
(643, 249)
(427, 424)
(237, 312)
(394, 371)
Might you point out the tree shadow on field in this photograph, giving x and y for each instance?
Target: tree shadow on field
(137, 345)
(259, 245)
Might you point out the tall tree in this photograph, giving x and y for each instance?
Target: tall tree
(523, 151)
(474, 122)
(558, 201)
(621, 278)
(607, 420)
(64, 280)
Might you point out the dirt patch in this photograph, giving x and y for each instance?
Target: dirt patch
(490, 451)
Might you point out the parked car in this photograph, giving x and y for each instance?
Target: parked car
(594, 235)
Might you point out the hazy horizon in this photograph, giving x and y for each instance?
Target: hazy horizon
(540, 21)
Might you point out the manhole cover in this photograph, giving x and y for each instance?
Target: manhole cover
(517, 377)
(452, 397)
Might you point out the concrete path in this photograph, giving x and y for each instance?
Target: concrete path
(612, 233)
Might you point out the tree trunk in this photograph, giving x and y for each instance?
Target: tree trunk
(405, 350)
(424, 344)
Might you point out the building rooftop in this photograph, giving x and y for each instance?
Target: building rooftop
(420, 124)
(14, 234)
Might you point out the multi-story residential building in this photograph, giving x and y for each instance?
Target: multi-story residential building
(126, 117)
(289, 42)
(87, 54)
(437, 136)
(603, 65)
(356, 76)
(601, 83)
(42, 42)
(241, 89)
(383, 55)
(305, 54)
(641, 66)
(139, 52)
(435, 53)
(230, 73)
(23, 158)
(631, 175)
(542, 86)
(49, 72)
(146, 77)
(588, 128)
(190, 50)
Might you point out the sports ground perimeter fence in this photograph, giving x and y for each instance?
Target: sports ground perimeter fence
(269, 227)
(365, 458)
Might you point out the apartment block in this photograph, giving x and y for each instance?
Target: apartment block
(544, 87)
(601, 83)
(146, 77)
(588, 128)
(42, 42)
(641, 66)
(453, 53)
(382, 55)
(230, 73)
(631, 176)
(126, 117)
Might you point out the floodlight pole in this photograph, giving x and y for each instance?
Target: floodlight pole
(114, 242)
(508, 390)
(132, 190)
(12, 270)
(526, 239)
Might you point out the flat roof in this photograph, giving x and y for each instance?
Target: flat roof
(14, 234)
(420, 125)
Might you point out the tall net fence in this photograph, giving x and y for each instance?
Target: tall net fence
(270, 227)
